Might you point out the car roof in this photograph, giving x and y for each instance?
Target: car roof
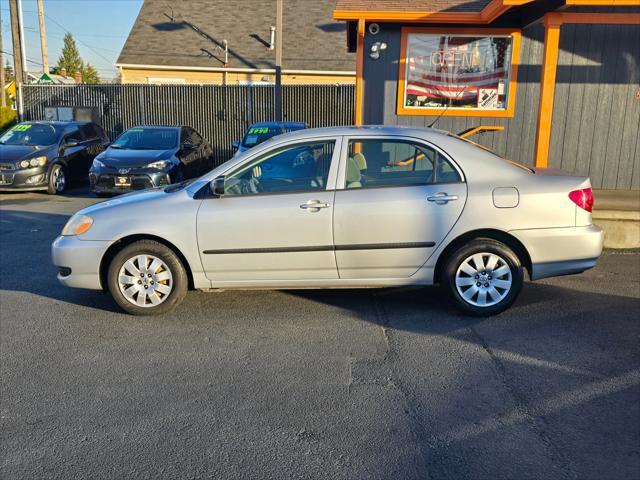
(279, 124)
(368, 130)
(59, 123)
(157, 126)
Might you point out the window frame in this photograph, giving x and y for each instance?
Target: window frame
(331, 176)
(509, 112)
(341, 181)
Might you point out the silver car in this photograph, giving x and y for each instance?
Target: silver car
(339, 207)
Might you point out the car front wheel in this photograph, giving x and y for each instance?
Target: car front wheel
(57, 180)
(484, 277)
(147, 278)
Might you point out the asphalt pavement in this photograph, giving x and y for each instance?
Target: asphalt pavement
(339, 384)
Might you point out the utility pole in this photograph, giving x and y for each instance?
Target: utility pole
(43, 38)
(16, 40)
(23, 48)
(278, 93)
(3, 94)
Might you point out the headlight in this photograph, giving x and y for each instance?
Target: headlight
(34, 162)
(77, 225)
(159, 165)
(97, 164)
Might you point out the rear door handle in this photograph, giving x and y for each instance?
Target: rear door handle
(314, 205)
(442, 198)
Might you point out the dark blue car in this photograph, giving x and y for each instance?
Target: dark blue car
(259, 132)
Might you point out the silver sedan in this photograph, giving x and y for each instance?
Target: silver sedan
(339, 207)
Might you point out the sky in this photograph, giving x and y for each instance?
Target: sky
(100, 28)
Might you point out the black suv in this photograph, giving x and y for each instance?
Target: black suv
(47, 155)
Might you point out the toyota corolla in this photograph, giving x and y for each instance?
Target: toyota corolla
(150, 156)
(339, 207)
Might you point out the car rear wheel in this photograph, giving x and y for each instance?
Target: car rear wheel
(147, 278)
(57, 180)
(484, 277)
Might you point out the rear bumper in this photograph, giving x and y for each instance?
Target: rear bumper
(78, 261)
(561, 251)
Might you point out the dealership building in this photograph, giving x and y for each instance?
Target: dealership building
(552, 83)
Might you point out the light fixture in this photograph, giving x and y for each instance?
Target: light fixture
(376, 48)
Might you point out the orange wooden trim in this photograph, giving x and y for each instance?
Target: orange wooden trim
(493, 10)
(560, 18)
(359, 100)
(482, 128)
(547, 90)
(604, 3)
(457, 111)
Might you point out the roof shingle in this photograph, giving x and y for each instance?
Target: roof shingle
(190, 33)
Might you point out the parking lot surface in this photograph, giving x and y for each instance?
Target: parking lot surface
(312, 384)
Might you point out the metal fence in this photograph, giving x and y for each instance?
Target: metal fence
(220, 113)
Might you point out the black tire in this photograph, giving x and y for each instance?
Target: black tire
(180, 281)
(54, 187)
(484, 246)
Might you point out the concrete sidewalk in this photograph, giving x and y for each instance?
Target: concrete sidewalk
(618, 213)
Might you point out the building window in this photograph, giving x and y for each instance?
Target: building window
(460, 73)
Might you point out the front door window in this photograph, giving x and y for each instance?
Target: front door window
(296, 168)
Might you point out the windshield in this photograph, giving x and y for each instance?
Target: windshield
(147, 139)
(257, 135)
(31, 134)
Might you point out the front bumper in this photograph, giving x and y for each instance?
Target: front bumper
(34, 178)
(561, 251)
(106, 182)
(78, 261)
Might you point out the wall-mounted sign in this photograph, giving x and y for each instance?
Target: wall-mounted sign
(457, 72)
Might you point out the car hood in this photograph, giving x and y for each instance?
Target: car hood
(14, 153)
(126, 200)
(116, 157)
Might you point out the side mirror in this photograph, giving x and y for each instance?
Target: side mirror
(235, 144)
(217, 186)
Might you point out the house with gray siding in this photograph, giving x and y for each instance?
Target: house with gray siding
(552, 83)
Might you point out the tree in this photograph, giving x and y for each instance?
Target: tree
(89, 74)
(72, 62)
(69, 58)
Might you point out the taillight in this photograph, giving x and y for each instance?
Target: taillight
(583, 198)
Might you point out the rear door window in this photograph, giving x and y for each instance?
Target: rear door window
(389, 162)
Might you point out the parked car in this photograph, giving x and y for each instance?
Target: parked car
(259, 132)
(381, 207)
(48, 155)
(150, 156)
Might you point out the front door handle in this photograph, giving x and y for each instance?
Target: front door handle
(314, 205)
(442, 198)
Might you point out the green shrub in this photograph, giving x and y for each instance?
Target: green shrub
(8, 118)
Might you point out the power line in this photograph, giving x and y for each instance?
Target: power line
(79, 40)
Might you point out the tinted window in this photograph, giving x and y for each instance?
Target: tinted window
(195, 138)
(302, 167)
(31, 134)
(257, 135)
(147, 139)
(88, 131)
(383, 163)
(73, 135)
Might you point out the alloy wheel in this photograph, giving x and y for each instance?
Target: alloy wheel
(59, 180)
(483, 279)
(145, 280)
